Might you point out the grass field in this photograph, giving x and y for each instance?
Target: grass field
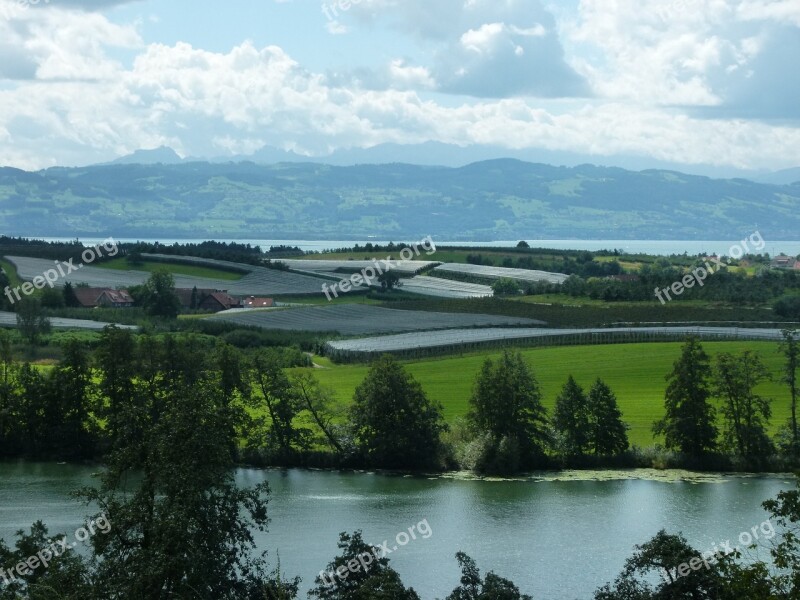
(121, 264)
(11, 273)
(634, 371)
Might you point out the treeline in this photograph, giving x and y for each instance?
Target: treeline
(230, 251)
(169, 415)
(723, 286)
(63, 251)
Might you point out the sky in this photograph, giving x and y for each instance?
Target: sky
(690, 82)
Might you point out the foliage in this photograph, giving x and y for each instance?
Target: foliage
(746, 413)
(571, 419)
(492, 587)
(688, 425)
(506, 403)
(394, 424)
(506, 287)
(31, 321)
(608, 434)
(158, 296)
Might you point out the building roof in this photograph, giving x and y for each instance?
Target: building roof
(256, 302)
(88, 297)
(118, 296)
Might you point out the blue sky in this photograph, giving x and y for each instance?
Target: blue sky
(686, 82)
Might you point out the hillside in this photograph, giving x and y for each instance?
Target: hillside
(502, 199)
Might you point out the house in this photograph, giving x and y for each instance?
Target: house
(783, 262)
(217, 301)
(89, 297)
(255, 302)
(115, 299)
(206, 299)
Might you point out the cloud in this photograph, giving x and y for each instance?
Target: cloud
(483, 48)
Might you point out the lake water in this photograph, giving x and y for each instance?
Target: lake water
(654, 247)
(558, 536)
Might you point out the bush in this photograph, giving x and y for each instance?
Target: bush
(788, 306)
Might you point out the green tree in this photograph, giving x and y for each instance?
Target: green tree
(571, 419)
(370, 578)
(492, 587)
(70, 299)
(688, 425)
(608, 434)
(394, 424)
(283, 406)
(790, 347)
(662, 558)
(506, 287)
(506, 404)
(31, 321)
(746, 413)
(181, 526)
(158, 295)
(319, 402)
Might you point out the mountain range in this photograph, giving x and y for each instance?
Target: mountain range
(487, 200)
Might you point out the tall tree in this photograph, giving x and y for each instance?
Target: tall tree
(791, 350)
(395, 425)
(506, 403)
(158, 295)
(571, 419)
(31, 321)
(688, 425)
(608, 434)
(181, 526)
(283, 406)
(746, 413)
(318, 401)
(70, 299)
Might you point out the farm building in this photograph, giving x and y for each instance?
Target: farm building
(255, 302)
(89, 297)
(206, 299)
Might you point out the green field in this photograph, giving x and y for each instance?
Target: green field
(634, 371)
(121, 264)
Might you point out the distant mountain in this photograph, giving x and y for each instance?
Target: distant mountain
(157, 156)
(451, 155)
(785, 177)
(497, 199)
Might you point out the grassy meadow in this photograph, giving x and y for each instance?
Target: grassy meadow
(122, 264)
(635, 372)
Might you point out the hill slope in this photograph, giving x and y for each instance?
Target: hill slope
(502, 199)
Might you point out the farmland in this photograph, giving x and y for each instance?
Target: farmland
(494, 273)
(258, 281)
(362, 319)
(634, 371)
(456, 340)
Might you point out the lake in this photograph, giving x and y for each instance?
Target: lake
(557, 536)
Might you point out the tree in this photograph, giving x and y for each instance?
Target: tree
(318, 401)
(394, 424)
(158, 295)
(283, 406)
(790, 347)
(506, 287)
(31, 321)
(571, 419)
(608, 434)
(360, 572)
(70, 299)
(492, 587)
(746, 413)
(523, 244)
(506, 404)
(194, 302)
(181, 526)
(668, 557)
(688, 425)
